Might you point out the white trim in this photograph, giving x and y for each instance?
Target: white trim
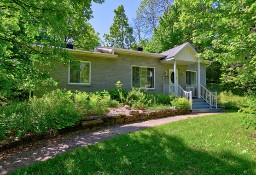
(188, 70)
(175, 78)
(90, 74)
(143, 88)
(199, 80)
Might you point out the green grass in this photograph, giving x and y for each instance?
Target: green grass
(207, 145)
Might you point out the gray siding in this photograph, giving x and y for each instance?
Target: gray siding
(106, 72)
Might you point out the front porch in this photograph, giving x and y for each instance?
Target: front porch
(186, 77)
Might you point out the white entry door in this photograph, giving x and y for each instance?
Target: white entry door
(171, 80)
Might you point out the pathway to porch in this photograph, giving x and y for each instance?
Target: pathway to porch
(43, 150)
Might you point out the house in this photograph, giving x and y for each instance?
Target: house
(177, 71)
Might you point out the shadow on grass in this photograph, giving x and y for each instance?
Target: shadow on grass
(146, 152)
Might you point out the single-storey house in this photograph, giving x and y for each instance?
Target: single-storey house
(177, 71)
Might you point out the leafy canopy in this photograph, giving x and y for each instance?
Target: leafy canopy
(223, 31)
(48, 23)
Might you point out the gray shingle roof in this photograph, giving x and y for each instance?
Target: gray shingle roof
(174, 51)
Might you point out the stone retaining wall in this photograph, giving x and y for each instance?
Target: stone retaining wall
(95, 122)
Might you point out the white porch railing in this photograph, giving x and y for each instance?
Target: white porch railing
(185, 94)
(210, 97)
(168, 89)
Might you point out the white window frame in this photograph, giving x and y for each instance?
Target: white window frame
(89, 74)
(154, 77)
(186, 78)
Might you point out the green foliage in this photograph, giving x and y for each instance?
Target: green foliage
(55, 110)
(92, 103)
(118, 93)
(222, 33)
(163, 99)
(207, 145)
(230, 101)
(138, 99)
(113, 103)
(121, 34)
(147, 16)
(49, 24)
(250, 112)
(181, 103)
(213, 72)
(167, 35)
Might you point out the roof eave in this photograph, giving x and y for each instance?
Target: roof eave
(92, 54)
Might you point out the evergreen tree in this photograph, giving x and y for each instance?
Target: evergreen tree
(121, 34)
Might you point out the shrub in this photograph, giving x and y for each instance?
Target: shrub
(55, 110)
(250, 111)
(163, 99)
(118, 94)
(139, 99)
(113, 103)
(230, 101)
(181, 103)
(92, 103)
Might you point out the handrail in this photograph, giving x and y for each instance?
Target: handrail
(210, 97)
(186, 94)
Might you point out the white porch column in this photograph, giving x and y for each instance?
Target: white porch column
(198, 80)
(175, 78)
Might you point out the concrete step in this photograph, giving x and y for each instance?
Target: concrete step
(198, 100)
(200, 106)
(208, 110)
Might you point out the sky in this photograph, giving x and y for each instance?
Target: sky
(104, 13)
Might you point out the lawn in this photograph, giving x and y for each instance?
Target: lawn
(214, 144)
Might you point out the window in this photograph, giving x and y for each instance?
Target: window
(191, 78)
(143, 77)
(80, 72)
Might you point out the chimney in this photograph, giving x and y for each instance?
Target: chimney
(70, 46)
(140, 49)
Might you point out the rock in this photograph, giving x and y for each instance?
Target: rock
(90, 123)
(135, 113)
(127, 107)
(129, 119)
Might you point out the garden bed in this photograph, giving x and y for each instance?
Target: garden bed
(115, 116)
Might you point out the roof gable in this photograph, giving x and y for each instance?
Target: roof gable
(176, 50)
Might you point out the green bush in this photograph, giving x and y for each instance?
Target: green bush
(92, 103)
(250, 111)
(181, 103)
(230, 101)
(55, 110)
(139, 99)
(113, 103)
(163, 99)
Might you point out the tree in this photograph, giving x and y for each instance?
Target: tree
(121, 34)
(34, 32)
(86, 39)
(167, 35)
(147, 16)
(228, 34)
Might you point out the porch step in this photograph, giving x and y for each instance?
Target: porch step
(200, 106)
(199, 103)
(205, 110)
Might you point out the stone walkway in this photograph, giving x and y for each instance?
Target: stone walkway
(44, 152)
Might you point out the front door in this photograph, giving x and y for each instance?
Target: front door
(191, 82)
(171, 80)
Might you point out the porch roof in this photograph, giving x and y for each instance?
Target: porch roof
(183, 54)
